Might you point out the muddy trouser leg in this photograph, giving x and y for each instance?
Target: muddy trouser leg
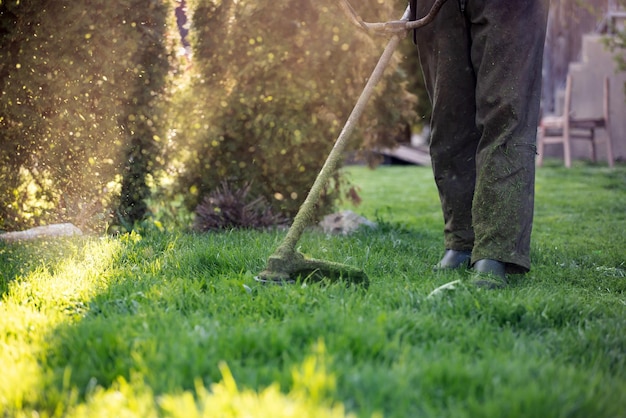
(482, 70)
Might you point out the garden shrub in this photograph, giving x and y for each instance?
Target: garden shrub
(226, 208)
(271, 85)
(80, 85)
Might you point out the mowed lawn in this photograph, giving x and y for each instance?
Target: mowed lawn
(173, 324)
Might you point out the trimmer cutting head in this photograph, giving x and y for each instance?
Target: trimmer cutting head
(284, 269)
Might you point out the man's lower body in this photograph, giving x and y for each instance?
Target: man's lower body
(482, 69)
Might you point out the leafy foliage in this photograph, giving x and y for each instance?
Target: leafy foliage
(225, 208)
(272, 83)
(79, 89)
(92, 132)
(143, 123)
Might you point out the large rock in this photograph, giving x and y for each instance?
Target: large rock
(345, 223)
(54, 230)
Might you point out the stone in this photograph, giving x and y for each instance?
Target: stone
(47, 231)
(345, 223)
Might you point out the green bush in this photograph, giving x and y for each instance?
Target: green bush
(271, 85)
(144, 125)
(79, 87)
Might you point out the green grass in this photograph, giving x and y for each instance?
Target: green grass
(154, 324)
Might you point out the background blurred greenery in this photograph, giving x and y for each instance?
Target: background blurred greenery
(125, 112)
(107, 114)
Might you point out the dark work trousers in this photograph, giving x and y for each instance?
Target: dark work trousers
(482, 68)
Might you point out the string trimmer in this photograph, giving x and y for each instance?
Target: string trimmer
(287, 264)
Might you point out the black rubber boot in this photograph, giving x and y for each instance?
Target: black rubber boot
(453, 259)
(489, 274)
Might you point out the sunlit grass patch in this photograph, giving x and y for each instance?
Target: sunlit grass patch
(308, 397)
(48, 289)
